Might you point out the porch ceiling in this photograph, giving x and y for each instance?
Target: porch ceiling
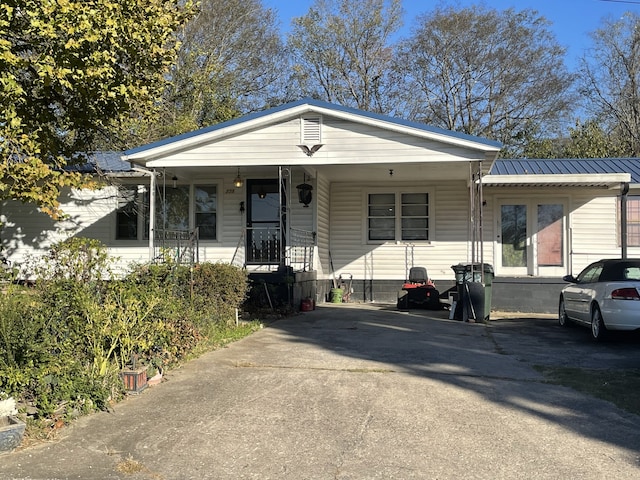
(380, 172)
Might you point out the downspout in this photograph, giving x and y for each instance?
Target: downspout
(624, 190)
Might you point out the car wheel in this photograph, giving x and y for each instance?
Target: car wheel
(563, 319)
(598, 330)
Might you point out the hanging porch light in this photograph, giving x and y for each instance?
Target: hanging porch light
(304, 192)
(237, 182)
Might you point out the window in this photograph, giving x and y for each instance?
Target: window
(591, 274)
(127, 213)
(172, 210)
(415, 216)
(205, 211)
(176, 211)
(633, 220)
(398, 217)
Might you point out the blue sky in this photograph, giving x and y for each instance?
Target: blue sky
(572, 19)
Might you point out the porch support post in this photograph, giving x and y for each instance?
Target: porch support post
(624, 190)
(476, 208)
(284, 180)
(480, 221)
(152, 214)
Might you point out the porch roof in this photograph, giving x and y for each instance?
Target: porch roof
(576, 172)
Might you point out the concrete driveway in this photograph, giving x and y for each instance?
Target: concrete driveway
(362, 392)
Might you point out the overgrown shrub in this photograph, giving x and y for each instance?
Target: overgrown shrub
(218, 290)
(76, 259)
(64, 342)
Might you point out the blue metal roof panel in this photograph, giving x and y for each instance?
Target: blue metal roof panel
(568, 166)
(318, 104)
(108, 162)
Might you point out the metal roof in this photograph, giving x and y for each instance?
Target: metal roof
(106, 162)
(567, 166)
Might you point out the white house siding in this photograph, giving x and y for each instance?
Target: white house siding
(345, 143)
(591, 221)
(350, 142)
(322, 226)
(449, 213)
(29, 233)
(594, 228)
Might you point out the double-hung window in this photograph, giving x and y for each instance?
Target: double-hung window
(127, 213)
(206, 203)
(633, 221)
(397, 216)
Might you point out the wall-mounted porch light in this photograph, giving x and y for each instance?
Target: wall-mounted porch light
(304, 192)
(175, 181)
(238, 181)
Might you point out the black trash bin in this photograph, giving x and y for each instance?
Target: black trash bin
(474, 297)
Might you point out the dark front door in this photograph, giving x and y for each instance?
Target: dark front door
(264, 236)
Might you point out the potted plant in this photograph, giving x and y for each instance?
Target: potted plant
(134, 376)
(11, 427)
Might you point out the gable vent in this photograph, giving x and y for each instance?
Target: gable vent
(311, 130)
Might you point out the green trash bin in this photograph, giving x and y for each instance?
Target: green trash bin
(472, 274)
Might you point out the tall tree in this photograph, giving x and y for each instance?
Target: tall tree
(343, 53)
(590, 140)
(231, 61)
(496, 74)
(68, 70)
(611, 78)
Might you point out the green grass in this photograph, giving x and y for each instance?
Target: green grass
(620, 387)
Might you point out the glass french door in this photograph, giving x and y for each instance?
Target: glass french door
(531, 237)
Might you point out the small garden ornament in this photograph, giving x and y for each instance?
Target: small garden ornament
(11, 427)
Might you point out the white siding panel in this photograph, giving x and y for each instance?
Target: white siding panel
(345, 143)
(594, 229)
(322, 227)
(351, 254)
(28, 232)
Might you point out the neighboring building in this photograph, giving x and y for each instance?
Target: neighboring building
(325, 191)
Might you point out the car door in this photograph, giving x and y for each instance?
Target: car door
(577, 297)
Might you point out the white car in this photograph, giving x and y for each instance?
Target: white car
(604, 296)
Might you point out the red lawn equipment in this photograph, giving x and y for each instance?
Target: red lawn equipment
(418, 291)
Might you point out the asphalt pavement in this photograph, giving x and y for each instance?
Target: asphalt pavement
(362, 392)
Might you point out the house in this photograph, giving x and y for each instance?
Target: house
(322, 195)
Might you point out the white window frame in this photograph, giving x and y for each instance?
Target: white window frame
(139, 210)
(635, 199)
(143, 212)
(192, 207)
(397, 192)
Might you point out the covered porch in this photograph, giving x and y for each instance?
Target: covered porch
(322, 190)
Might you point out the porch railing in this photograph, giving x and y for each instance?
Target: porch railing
(299, 252)
(180, 246)
(263, 246)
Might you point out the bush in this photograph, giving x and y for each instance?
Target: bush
(64, 342)
(218, 290)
